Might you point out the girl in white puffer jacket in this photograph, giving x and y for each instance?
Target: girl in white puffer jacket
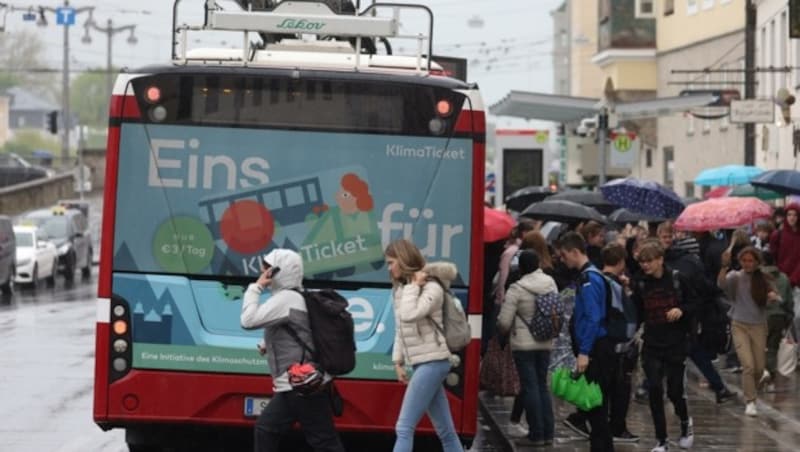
(417, 304)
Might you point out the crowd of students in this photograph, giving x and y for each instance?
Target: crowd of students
(689, 291)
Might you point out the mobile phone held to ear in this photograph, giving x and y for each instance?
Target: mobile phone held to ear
(274, 271)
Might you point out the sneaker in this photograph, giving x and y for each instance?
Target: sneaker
(527, 442)
(687, 435)
(750, 409)
(662, 446)
(626, 437)
(724, 395)
(764, 380)
(641, 395)
(578, 427)
(736, 369)
(516, 430)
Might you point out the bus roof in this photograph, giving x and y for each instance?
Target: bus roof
(396, 76)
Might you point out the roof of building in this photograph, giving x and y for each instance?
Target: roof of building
(23, 100)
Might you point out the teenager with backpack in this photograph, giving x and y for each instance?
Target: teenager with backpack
(283, 316)
(531, 354)
(418, 343)
(614, 258)
(750, 290)
(666, 307)
(711, 319)
(594, 350)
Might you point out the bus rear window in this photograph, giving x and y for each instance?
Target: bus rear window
(291, 103)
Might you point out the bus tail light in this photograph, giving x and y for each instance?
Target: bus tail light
(152, 94)
(444, 108)
(120, 352)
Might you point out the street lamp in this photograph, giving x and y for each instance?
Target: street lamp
(110, 30)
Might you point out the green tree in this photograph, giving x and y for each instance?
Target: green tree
(21, 53)
(89, 98)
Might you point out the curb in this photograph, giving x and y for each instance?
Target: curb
(494, 425)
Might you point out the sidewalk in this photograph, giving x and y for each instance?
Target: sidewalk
(716, 427)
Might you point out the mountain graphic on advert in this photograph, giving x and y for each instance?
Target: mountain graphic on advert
(123, 260)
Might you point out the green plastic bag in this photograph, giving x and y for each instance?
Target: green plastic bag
(578, 392)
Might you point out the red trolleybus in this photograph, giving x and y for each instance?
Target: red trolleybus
(223, 155)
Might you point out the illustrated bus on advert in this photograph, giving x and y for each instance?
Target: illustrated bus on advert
(225, 154)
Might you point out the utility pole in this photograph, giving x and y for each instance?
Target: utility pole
(65, 16)
(750, 78)
(109, 30)
(602, 134)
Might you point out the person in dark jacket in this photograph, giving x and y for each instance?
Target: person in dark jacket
(594, 350)
(691, 268)
(666, 302)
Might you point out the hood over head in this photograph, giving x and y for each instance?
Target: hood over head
(291, 264)
(793, 206)
(445, 271)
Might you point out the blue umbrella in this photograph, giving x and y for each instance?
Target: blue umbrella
(727, 175)
(781, 181)
(646, 197)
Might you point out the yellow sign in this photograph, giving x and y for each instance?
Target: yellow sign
(542, 136)
(623, 143)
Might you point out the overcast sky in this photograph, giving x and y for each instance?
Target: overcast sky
(508, 43)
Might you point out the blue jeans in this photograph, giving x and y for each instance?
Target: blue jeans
(532, 368)
(425, 394)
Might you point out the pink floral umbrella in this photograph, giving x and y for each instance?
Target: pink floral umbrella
(722, 213)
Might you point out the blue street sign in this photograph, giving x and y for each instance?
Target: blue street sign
(29, 17)
(65, 16)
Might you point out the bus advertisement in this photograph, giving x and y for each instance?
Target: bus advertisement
(211, 167)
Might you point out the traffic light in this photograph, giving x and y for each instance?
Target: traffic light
(52, 122)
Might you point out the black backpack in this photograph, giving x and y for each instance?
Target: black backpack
(331, 330)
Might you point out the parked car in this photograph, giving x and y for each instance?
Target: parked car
(36, 258)
(15, 170)
(8, 255)
(68, 229)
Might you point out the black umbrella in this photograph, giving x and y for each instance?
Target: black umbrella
(524, 197)
(562, 211)
(587, 198)
(781, 181)
(622, 216)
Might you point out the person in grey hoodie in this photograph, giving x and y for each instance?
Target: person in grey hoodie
(285, 308)
(531, 357)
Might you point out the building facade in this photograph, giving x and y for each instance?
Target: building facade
(693, 35)
(562, 34)
(774, 48)
(586, 78)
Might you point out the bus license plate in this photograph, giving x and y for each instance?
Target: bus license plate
(254, 405)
